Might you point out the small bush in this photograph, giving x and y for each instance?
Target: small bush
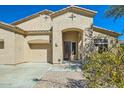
(105, 69)
(122, 46)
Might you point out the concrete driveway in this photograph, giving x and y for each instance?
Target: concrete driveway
(22, 75)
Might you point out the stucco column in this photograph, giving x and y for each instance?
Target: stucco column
(57, 46)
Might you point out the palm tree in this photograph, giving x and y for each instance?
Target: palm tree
(115, 11)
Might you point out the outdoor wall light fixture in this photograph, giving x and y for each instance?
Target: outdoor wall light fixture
(59, 60)
(56, 44)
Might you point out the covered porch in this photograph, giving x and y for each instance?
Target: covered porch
(72, 42)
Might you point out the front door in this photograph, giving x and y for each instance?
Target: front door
(69, 49)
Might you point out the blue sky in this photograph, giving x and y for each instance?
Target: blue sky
(12, 13)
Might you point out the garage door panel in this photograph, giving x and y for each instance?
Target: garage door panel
(39, 53)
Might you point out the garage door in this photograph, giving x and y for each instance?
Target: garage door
(40, 52)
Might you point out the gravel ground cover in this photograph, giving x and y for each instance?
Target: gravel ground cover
(61, 80)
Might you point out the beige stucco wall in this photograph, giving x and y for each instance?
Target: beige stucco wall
(7, 55)
(37, 37)
(38, 23)
(63, 22)
(19, 48)
(70, 36)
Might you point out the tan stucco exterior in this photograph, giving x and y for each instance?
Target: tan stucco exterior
(38, 23)
(7, 54)
(39, 39)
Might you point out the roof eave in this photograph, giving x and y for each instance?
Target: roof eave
(102, 30)
(76, 9)
(12, 28)
(47, 12)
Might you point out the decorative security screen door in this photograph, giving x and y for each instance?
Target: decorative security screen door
(67, 50)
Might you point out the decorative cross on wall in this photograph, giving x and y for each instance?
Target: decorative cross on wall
(72, 16)
(46, 17)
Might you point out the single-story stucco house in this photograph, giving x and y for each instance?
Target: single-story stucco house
(52, 37)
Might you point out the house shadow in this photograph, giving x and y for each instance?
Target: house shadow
(72, 83)
(75, 66)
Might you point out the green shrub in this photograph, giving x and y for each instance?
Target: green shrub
(105, 69)
(122, 46)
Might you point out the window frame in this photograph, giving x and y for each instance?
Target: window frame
(3, 45)
(102, 44)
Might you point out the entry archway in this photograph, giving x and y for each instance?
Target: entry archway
(72, 39)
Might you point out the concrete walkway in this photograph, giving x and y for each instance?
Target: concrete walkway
(22, 75)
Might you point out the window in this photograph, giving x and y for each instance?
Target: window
(1, 44)
(102, 44)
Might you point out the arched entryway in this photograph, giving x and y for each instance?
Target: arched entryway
(72, 39)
